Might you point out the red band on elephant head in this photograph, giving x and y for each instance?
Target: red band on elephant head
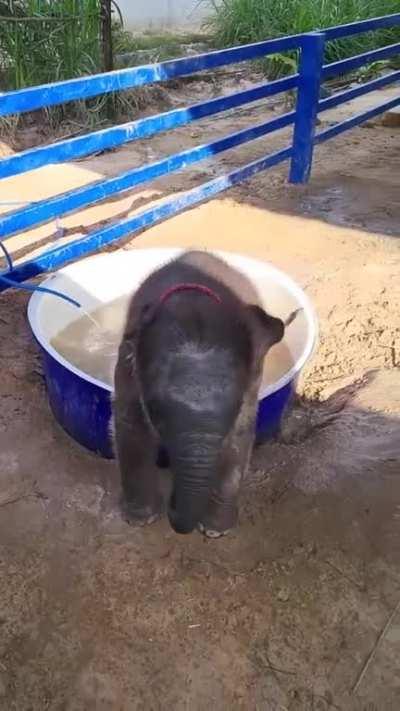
(190, 287)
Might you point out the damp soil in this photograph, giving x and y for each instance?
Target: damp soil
(287, 612)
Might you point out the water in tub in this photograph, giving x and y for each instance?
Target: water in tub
(91, 344)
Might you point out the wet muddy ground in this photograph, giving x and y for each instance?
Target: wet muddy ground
(295, 610)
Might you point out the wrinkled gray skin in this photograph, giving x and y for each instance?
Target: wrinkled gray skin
(186, 381)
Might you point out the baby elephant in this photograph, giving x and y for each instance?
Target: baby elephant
(186, 383)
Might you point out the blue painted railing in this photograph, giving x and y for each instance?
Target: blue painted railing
(312, 72)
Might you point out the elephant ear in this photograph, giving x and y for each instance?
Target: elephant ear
(267, 329)
(135, 324)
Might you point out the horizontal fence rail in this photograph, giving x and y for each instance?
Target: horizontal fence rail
(350, 94)
(349, 65)
(84, 88)
(120, 80)
(143, 128)
(356, 120)
(44, 210)
(100, 238)
(312, 72)
(357, 28)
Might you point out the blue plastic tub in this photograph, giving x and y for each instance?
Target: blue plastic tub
(81, 404)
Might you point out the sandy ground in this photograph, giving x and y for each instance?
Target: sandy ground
(285, 612)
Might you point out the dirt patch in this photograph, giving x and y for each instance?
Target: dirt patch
(359, 328)
(284, 613)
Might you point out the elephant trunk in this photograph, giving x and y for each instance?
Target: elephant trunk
(194, 459)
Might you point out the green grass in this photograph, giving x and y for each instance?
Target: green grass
(43, 41)
(59, 40)
(235, 22)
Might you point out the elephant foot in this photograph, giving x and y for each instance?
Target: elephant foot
(139, 517)
(219, 519)
(210, 533)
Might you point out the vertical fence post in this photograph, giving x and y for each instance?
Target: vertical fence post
(106, 35)
(311, 61)
(107, 49)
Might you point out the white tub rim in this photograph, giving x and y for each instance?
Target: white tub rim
(166, 254)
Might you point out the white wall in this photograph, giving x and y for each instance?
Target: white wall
(156, 14)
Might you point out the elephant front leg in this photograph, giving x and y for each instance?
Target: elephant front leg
(136, 444)
(142, 499)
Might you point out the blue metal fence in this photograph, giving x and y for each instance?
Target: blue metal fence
(312, 72)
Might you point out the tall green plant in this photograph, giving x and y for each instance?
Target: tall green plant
(47, 40)
(241, 21)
